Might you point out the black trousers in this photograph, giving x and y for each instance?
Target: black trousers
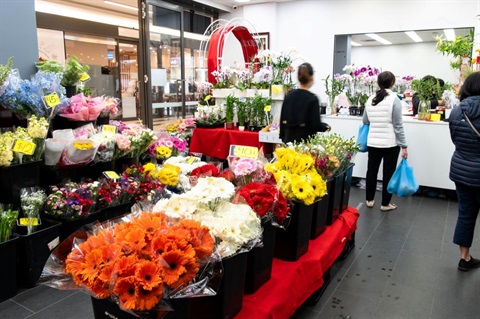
(390, 158)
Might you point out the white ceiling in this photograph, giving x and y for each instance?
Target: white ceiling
(227, 5)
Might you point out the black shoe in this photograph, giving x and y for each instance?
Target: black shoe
(464, 265)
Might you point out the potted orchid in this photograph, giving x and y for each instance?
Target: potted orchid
(223, 82)
(262, 79)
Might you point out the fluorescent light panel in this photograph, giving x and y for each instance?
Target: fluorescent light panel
(414, 36)
(355, 44)
(120, 5)
(449, 34)
(378, 38)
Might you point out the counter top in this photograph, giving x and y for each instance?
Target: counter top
(406, 119)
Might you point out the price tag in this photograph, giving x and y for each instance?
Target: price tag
(24, 147)
(28, 222)
(52, 100)
(85, 77)
(191, 159)
(109, 129)
(111, 175)
(243, 151)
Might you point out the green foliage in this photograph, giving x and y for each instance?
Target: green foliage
(230, 103)
(4, 69)
(73, 72)
(459, 48)
(85, 91)
(49, 66)
(426, 89)
(363, 99)
(258, 106)
(333, 88)
(242, 109)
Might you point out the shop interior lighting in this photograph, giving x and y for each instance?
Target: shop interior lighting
(378, 38)
(120, 5)
(355, 44)
(449, 34)
(414, 36)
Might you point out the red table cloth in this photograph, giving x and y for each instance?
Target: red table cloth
(293, 282)
(215, 142)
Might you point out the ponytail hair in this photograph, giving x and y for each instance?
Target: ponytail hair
(385, 80)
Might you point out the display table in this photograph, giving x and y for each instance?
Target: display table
(430, 148)
(215, 142)
(293, 282)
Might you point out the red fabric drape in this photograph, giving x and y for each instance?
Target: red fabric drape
(293, 282)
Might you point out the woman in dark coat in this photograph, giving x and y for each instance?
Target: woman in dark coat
(300, 117)
(465, 167)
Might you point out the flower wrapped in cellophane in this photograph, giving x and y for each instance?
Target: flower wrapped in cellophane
(296, 176)
(236, 226)
(167, 146)
(78, 153)
(137, 261)
(247, 170)
(83, 108)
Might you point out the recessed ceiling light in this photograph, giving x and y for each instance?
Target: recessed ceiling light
(120, 5)
(414, 36)
(449, 34)
(355, 44)
(378, 38)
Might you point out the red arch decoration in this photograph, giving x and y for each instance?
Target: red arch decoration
(217, 40)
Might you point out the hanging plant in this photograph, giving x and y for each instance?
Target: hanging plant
(459, 48)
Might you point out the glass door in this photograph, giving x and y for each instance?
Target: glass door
(129, 79)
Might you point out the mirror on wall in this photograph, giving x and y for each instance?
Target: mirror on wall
(401, 54)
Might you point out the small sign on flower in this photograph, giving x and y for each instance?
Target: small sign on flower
(85, 77)
(112, 129)
(111, 175)
(28, 222)
(243, 151)
(51, 100)
(24, 147)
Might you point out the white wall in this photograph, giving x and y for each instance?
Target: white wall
(417, 59)
(310, 26)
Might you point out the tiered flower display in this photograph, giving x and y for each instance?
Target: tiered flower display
(72, 201)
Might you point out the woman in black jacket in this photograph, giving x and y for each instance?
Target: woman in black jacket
(300, 116)
(465, 167)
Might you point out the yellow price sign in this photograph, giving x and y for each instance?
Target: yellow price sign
(28, 222)
(109, 129)
(244, 151)
(85, 77)
(52, 99)
(191, 159)
(111, 174)
(24, 147)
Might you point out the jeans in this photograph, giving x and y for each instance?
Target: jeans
(468, 207)
(390, 158)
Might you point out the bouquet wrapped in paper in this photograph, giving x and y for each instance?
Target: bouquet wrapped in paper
(78, 153)
(82, 108)
(138, 262)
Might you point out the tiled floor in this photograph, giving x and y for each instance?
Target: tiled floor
(403, 266)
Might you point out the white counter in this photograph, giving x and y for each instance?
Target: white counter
(429, 148)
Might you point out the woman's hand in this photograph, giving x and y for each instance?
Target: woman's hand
(404, 153)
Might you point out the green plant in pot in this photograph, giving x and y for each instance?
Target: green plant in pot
(242, 113)
(426, 90)
(460, 48)
(45, 65)
(333, 88)
(73, 73)
(230, 103)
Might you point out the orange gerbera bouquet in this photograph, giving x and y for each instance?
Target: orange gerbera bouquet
(141, 261)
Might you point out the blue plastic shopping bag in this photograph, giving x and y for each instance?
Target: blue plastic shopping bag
(363, 137)
(403, 182)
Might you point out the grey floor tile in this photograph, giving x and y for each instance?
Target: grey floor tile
(41, 297)
(76, 306)
(11, 309)
(343, 305)
(427, 246)
(402, 301)
(305, 313)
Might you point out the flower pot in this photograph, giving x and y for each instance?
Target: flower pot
(241, 128)
(121, 163)
(259, 261)
(319, 215)
(239, 93)
(292, 243)
(8, 269)
(277, 92)
(227, 303)
(14, 178)
(70, 90)
(229, 125)
(263, 92)
(222, 93)
(335, 198)
(69, 226)
(251, 92)
(34, 250)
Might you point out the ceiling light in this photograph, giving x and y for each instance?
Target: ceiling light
(120, 5)
(449, 34)
(355, 44)
(414, 36)
(378, 38)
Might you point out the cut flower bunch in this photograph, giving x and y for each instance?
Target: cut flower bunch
(141, 261)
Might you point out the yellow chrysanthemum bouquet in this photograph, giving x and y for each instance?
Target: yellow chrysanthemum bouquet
(296, 176)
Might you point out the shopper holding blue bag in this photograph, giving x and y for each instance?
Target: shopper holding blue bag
(383, 112)
(464, 125)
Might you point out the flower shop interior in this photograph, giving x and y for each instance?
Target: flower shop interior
(142, 174)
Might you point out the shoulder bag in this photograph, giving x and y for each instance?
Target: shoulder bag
(471, 125)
